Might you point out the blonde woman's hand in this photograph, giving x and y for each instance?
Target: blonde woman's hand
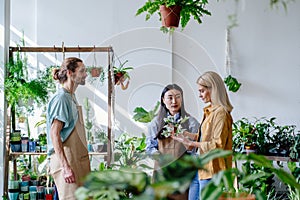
(185, 141)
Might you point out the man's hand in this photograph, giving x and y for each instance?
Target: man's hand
(69, 175)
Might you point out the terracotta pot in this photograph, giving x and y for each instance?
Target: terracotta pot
(118, 76)
(96, 71)
(170, 16)
(250, 148)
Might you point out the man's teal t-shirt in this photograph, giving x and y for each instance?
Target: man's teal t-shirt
(63, 108)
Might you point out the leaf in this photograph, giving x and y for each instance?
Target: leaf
(232, 83)
(141, 115)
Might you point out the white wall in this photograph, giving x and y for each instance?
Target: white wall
(265, 52)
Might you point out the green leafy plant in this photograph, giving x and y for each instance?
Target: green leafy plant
(293, 193)
(243, 134)
(189, 9)
(277, 3)
(232, 83)
(129, 150)
(264, 183)
(282, 139)
(42, 136)
(20, 90)
(136, 184)
(121, 71)
(173, 125)
(266, 135)
(223, 182)
(295, 148)
(100, 135)
(141, 115)
(88, 124)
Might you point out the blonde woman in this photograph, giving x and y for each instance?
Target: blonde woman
(215, 131)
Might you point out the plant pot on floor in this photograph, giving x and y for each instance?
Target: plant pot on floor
(170, 16)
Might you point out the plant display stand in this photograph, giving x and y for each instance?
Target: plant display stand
(10, 120)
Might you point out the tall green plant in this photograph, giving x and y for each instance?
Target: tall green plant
(88, 123)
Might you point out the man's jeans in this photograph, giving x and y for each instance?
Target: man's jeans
(196, 186)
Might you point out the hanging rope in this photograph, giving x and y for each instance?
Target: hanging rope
(228, 53)
(63, 50)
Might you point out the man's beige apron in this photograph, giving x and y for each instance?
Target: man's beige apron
(75, 148)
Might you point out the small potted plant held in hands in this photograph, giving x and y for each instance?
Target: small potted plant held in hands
(173, 126)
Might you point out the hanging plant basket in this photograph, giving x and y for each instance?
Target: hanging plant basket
(95, 71)
(170, 16)
(119, 77)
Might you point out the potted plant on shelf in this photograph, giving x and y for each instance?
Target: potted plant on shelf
(295, 148)
(42, 137)
(243, 132)
(100, 140)
(187, 9)
(222, 185)
(88, 124)
(282, 139)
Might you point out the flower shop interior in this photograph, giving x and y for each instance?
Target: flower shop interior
(253, 45)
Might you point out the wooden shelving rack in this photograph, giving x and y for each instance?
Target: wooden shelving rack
(8, 156)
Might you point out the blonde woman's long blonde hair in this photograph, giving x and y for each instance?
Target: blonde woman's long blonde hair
(216, 86)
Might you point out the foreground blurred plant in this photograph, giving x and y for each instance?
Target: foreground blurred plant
(136, 184)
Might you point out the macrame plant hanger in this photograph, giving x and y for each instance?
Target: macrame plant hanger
(228, 53)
